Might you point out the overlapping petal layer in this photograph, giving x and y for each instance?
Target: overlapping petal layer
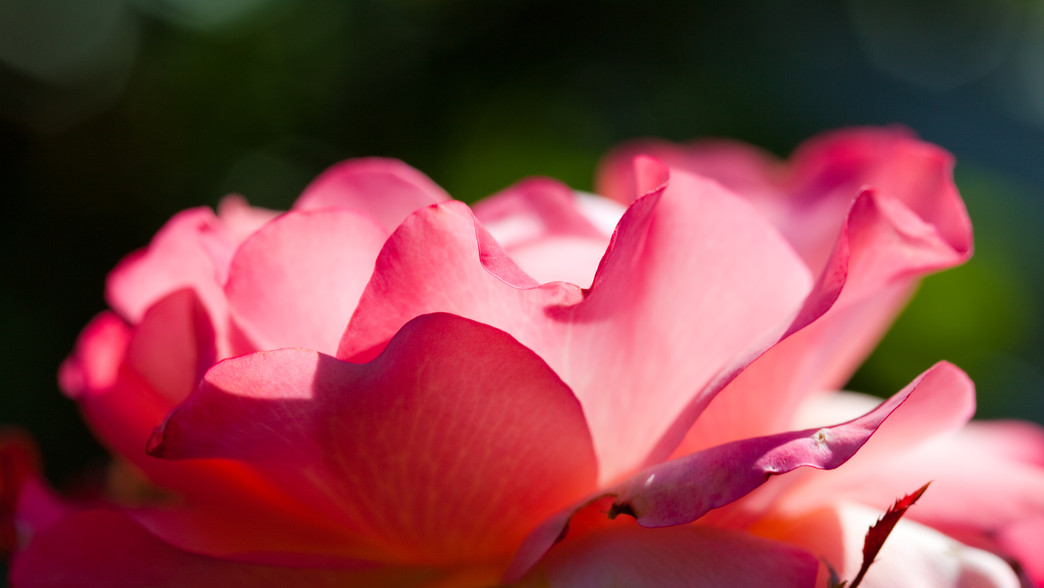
(691, 272)
(496, 441)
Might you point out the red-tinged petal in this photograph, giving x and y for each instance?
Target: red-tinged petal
(450, 446)
(296, 282)
(913, 555)
(127, 381)
(542, 226)
(692, 272)
(105, 549)
(684, 489)
(177, 257)
(386, 190)
(700, 557)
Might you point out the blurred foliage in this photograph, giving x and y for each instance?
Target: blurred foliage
(115, 114)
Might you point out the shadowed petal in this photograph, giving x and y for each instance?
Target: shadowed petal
(296, 282)
(452, 445)
(105, 549)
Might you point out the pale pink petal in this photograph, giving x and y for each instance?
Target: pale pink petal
(105, 549)
(694, 556)
(880, 253)
(541, 224)
(913, 555)
(296, 282)
(986, 477)
(241, 220)
(684, 489)
(176, 258)
(692, 272)
(453, 444)
(908, 220)
(808, 196)
(744, 169)
(386, 190)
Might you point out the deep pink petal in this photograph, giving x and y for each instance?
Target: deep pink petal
(684, 489)
(700, 557)
(1022, 542)
(450, 446)
(386, 190)
(296, 282)
(913, 555)
(692, 272)
(105, 549)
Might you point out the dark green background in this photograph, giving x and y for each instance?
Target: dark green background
(115, 114)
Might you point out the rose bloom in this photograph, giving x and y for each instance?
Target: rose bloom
(385, 387)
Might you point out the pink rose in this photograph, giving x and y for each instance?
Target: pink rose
(385, 387)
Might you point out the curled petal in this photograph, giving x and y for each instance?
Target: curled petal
(684, 489)
(453, 443)
(986, 475)
(386, 190)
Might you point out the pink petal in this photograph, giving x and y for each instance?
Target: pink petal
(178, 257)
(700, 557)
(450, 446)
(986, 477)
(386, 190)
(108, 550)
(542, 226)
(95, 362)
(911, 222)
(913, 555)
(241, 220)
(1022, 543)
(296, 282)
(684, 489)
(744, 169)
(692, 272)
(883, 249)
